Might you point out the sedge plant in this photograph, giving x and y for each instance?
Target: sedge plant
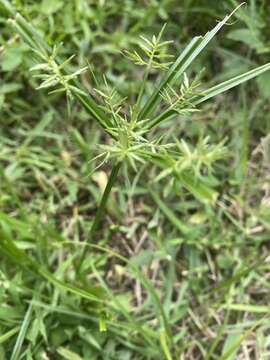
(130, 124)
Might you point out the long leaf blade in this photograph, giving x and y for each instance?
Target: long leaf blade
(21, 336)
(213, 91)
(185, 59)
(154, 98)
(231, 83)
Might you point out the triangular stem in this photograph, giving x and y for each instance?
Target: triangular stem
(101, 210)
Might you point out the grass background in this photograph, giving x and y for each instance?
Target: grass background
(162, 254)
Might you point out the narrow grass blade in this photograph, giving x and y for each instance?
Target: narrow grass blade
(185, 59)
(245, 270)
(237, 344)
(155, 97)
(164, 345)
(23, 34)
(31, 32)
(161, 117)
(9, 334)
(93, 110)
(231, 339)
(21, 336)
(249, 308)
(218, 337)
(68, 354)
(8, 6)
(213, 91)
(69, 287)
(231, 83)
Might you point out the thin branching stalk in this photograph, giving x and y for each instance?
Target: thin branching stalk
(101, 210)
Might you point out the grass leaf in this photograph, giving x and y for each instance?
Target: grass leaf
(21, 336)
(68, 354)
(185, 59)
(231, 83)
(9, 334)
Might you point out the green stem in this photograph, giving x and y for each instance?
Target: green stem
(101, 209)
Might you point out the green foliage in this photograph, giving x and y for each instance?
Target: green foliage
(154, 51)
(134, 198)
